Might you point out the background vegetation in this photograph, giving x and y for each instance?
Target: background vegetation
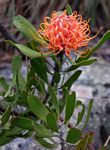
(35, 10)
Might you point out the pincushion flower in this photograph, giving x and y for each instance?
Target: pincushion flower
(65, 33)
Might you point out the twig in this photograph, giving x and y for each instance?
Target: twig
(107, 141)
(62, 142)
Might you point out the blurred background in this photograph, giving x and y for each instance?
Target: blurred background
(95, 81)
(35, 10)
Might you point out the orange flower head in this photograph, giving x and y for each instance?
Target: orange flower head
(67, 33)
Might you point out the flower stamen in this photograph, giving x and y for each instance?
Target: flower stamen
(67, 33)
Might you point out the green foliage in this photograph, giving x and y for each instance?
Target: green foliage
(80, 114)
(56, 77)
(46, 96)
(8, 135)
(22, 122)
(40, 68)
(16, 64)
(4, 140)
(54, 99)
(105, 37)
(48, 116)
(82, 63)
(70, 106)
(73, 136)
(18, 81)
(6, 115)
(37, 107)
(41, 131)
(52, 122)
(69, 9)
(88, 113)
(26, 50)
(3, 83)
(72, 79)
(27, 29)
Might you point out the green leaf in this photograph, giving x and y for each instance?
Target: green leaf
(80, 114)
(22, 98)
(9, 89)
(37, 83)
(88, 113)
(18, 80)
(6, 115)
(69, 9)
(56, 61)
(30, 73)
(8, 135)
(34, 46)
(38, 108)
(54, 99)
(73, 136)
(65, 92)
(72, 79)
(56, 77)
(4, 140)
(45, 144)
(52, 122)
(28, 30)
(62, 101)
(105, 37)
(16, 64)
(82, 63)
(16, 67)
(42, 131)
(21, 81)
(33, 80)
(4, 84)
(40, 68)
(22, 122)
(10, 98)
(40, 85)
(13, 83)
(28, 51)
(70, 106)
(13, 132)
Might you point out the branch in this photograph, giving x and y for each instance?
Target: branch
(62, 142)
(107, 141)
